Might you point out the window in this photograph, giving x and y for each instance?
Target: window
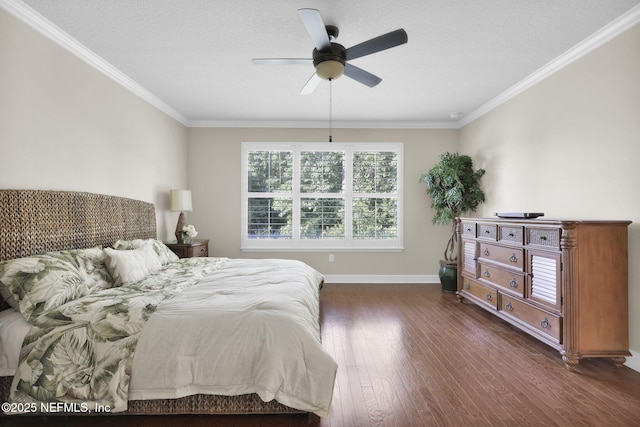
(325, 196)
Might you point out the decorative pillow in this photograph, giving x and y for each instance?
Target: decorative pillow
(165, 255)
(43, 282)
(130, 266)
(91, 261)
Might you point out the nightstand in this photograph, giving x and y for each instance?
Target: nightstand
(194, 249)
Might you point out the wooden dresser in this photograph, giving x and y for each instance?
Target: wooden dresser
(563, 282)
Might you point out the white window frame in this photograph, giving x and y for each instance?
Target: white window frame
(295, 244)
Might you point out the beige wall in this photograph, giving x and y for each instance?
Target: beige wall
(214, 176)
(569, 147)
(66, 126)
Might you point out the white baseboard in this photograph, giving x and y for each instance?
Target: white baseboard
(380, 278)
(633, 362)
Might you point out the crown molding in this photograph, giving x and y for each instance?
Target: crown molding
(616, 27)
(36, 21)
(320, 124)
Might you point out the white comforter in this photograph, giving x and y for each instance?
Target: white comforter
(251, 327)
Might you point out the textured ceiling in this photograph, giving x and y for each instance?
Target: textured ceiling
(195, 55)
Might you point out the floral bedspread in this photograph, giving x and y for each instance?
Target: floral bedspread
(81, 353)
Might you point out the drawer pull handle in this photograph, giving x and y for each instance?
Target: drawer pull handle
(513, 283)
(508, 307)
(543, 238)
(512, 235)
(201, 249)
(489, 297)
(513, 258)
(486, 252)
(487, 231)
(545, 323)
(468, 229)
(467, 285)
(486, 273)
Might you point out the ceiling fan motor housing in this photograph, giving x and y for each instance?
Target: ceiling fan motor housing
(329, 64)
(332, 32)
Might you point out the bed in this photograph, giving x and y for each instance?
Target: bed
(255, 321)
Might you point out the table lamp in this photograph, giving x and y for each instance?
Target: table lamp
(180, 202)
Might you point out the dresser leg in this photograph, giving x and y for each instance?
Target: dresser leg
(618, 361)
(460, 297)
(570, 362)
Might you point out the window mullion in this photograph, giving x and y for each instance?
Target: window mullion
(296, 195)
(347, 194)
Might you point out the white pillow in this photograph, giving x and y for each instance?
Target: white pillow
(130, 266)
(165, 255)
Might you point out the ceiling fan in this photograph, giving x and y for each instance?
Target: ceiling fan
(331, 59)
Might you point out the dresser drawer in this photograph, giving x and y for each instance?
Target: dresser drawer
(549, 237)
(486, 294)
(541, 320)
(201, 250)
(513, 257)
(468, 229)
(488, 231)
(508, 280)
(511, 234)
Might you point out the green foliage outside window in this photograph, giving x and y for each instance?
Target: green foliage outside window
(322, 195)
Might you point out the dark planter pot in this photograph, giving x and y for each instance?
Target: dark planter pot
(448, 276)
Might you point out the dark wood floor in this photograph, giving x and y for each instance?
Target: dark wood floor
(410, 355)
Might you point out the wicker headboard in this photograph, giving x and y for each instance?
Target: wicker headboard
(37, 221)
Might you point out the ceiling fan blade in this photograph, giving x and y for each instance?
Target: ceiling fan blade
(315, 27)
(311, 85)
(281, 61)
(385, 41)
(360, 75)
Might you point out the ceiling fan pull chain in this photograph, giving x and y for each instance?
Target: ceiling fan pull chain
(330, 109)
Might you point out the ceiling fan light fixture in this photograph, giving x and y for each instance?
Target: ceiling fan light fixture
(330, 69)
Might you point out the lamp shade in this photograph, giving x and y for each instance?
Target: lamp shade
(180, 201)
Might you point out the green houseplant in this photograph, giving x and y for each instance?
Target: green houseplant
(454, 188)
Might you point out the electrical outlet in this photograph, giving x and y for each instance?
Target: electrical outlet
(331, 258)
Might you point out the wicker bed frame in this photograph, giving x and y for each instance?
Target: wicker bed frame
(37, 221)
